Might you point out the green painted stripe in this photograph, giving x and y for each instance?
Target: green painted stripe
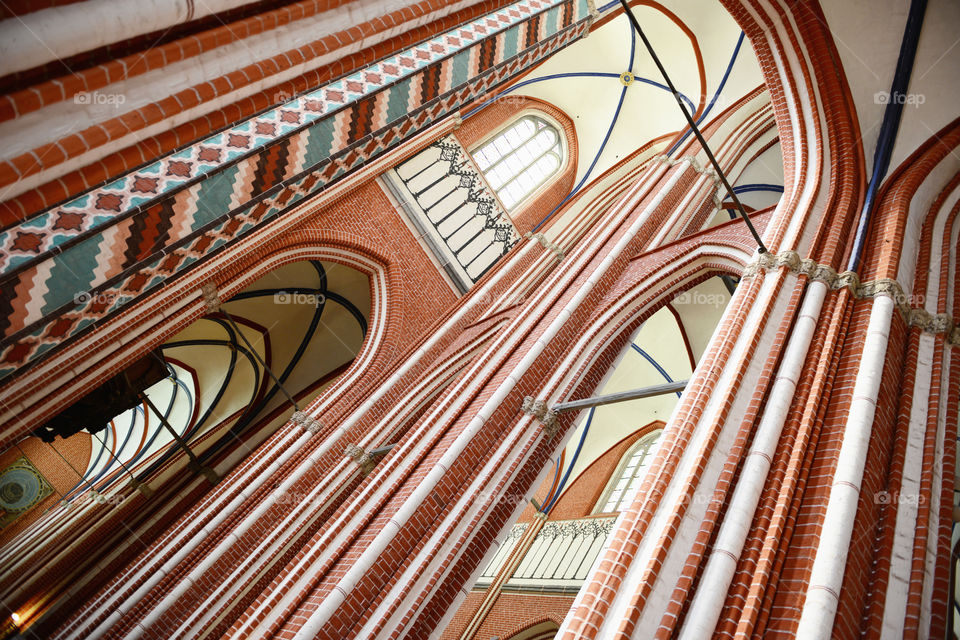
(398, 100)
(583, 10)
(320, 141)
(214, 197)
(460, 68)
(552, 21)
(72, 274)
(511, 39)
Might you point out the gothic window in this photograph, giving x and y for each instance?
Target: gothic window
(629, 473)
(521, 158)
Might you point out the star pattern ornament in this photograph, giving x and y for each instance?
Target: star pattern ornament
(69, 221)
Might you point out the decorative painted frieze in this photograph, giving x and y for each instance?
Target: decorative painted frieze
(74, 264)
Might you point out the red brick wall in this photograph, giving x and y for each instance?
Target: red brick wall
(53, 467)
(512, 613)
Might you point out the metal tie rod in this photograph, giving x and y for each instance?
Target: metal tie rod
(622, 396)
(693, 126)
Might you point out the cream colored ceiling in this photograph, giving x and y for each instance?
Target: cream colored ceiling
(275, 326)
(661, 337)
(867, 34)
(647, 112)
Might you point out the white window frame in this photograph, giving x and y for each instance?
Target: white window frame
(559, 149)
(649, 443)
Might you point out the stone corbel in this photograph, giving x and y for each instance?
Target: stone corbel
(789, 259)
(546, 244)
(914, 316)
(693, 162)
(847, 279)
(543, 413)
(210, 297)
(306, 421)
(361, 457)
(142, 487)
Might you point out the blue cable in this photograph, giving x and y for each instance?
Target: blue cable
(890, 124)
(556, 472)
(716, 94)
(573, 460)
(552, 76)
(749, 188)
(593, 164)
(655, 364)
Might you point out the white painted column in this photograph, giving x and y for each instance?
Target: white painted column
(60, 32)
(708, 602)
(371, 554)
(826, 578)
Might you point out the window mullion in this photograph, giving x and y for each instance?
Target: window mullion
(528, 167)
(511, 167)
(512, 151)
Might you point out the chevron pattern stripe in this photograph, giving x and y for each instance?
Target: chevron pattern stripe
(81, 262)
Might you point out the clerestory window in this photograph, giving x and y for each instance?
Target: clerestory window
(630, 472)
(517, 161)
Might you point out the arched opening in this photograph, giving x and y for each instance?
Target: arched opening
(550, 550)
(623, 484)
(293, 332)
(539, 631)
(520, 159)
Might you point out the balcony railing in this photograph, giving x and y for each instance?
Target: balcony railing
(559, 558)
(445, 196)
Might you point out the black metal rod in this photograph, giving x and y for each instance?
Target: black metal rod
(384, 449)
(259, 359)
(693, 126)
(116, 458)
(176, 436)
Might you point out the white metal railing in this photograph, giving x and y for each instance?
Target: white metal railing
(446, 197)
(559, 558)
